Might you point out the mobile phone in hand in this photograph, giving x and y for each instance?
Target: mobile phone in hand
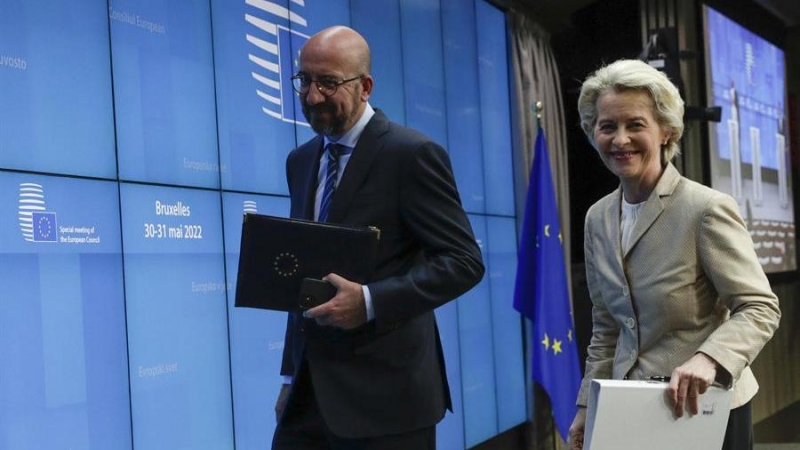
(314, 292)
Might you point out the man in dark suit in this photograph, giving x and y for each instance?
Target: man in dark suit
(366, 368)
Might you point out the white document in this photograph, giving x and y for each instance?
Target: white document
(628, 415)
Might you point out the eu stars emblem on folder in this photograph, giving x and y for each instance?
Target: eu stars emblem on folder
(276, 254)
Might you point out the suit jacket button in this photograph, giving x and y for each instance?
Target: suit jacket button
(630, 322)
(633, 355)
(625, 291)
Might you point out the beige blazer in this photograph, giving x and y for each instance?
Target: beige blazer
(690, 282)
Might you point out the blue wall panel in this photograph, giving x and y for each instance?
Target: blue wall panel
(55, 88)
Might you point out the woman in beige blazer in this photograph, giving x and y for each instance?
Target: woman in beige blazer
(674, 280)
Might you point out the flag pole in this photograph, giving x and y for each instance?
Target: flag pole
(538, 108)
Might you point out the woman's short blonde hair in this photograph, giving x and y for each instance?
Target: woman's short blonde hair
(632, 74)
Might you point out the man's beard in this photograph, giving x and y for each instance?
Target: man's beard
(334, 126)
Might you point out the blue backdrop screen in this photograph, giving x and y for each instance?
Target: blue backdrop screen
(134, 135)
(164, 92)
(256, 336)
(63, 380)
(55, 88)
(749, 146)
(176, 311)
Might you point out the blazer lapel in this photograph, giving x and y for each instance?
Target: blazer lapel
(654, 205)
(652, 209)
(612, 220)
(310, 182)
(357, 169)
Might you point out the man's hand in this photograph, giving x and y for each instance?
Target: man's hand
(575, 436)
(689, 381)
(346, 310)
(280, 405)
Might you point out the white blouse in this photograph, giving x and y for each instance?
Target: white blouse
(630, 214)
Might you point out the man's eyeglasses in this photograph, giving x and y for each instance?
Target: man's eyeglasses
(326, 86)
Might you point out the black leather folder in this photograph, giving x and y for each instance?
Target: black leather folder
(276, 254)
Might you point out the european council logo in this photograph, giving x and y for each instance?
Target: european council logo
(274, 53)
(36, 223)
(250, 206)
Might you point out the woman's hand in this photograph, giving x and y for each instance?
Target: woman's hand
(689, 381)
(575, 438)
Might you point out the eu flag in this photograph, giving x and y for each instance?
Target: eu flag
(541, 293)
(44, 227)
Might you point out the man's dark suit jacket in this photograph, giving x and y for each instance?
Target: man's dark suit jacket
(387, 376)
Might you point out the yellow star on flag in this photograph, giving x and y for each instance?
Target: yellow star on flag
(546, 342)
(569, 335)
(556, 346)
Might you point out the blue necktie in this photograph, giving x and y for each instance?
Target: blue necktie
(334, 152)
